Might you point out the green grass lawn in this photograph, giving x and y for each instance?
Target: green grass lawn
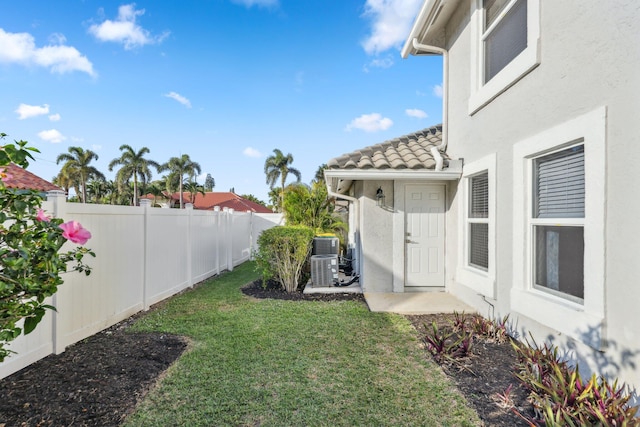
(284, 363)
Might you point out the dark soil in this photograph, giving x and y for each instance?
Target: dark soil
(95, 382)
(488, 372)
(99, 381)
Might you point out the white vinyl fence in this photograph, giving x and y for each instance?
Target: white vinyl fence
(143, 255)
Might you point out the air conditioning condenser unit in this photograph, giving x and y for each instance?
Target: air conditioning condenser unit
(324, 270)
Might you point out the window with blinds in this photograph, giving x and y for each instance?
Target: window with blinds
(559, 184)
(478, 219)
(558, 222)
(504, 33)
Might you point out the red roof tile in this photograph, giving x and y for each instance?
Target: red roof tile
(24, 180)
(224, 200)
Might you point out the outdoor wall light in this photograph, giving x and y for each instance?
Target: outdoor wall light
(379, 197)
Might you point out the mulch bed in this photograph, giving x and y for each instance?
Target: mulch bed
(99, 381)
(95, 382)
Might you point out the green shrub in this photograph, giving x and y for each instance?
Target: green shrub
(283, 253)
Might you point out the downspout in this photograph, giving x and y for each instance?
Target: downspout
(434, 50)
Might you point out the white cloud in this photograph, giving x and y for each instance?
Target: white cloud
(414, 112)
(391, 22)
(20, 48)
(370, 123)
(258, 3)
(52, 135)
(96, 147)
(55, 117)
(181, 99)
(26, 111)
(379, 63)
(437, 91)
(125, 30)
(251, 152)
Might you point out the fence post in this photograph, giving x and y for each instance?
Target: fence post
(250, 212)
(216, 209)
(146, 205)
(58, 199)
(189, 208)
(229, 238)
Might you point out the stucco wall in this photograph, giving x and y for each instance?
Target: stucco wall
(589, 59)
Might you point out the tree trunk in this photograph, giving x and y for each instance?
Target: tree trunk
(135, 190)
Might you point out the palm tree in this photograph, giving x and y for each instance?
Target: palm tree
(66, 180)
(311, 206)
(194, 188)
(96, 188)
(278, 166)
(133, 165)
(178, 167)
(155, 189)
(320, 173)
(110, 192)
(77, 162)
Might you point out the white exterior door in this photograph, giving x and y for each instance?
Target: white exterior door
(424, 235)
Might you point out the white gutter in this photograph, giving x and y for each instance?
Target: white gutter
(453, 172)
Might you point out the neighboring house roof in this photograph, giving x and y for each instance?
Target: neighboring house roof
(406, 157)
(22, 179)
(224, 200)
(411, 151)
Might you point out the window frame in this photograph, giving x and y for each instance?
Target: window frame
(482, 93)
(581, 320)
(479, 279)
(476, 220)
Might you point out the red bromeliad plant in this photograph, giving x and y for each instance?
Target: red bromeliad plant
(562, 398)
(31, 259)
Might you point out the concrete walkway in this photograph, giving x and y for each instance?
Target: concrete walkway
(415, 303)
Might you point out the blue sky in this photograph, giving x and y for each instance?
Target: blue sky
(224, 81)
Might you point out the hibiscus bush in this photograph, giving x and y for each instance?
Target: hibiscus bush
(31, 255)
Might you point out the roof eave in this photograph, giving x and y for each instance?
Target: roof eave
(453, 172)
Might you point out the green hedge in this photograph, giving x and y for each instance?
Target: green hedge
(282, 254)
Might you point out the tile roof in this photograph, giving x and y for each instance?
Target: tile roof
(224, 200)
(24, 180)
(410, 151)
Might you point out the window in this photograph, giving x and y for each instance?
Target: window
(476, 239)
(558, 236)
(504, 33)
(505, 46)
(558, 222)
(478, 218)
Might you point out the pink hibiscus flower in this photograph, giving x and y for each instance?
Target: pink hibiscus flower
(41, 216)
(73, 231)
